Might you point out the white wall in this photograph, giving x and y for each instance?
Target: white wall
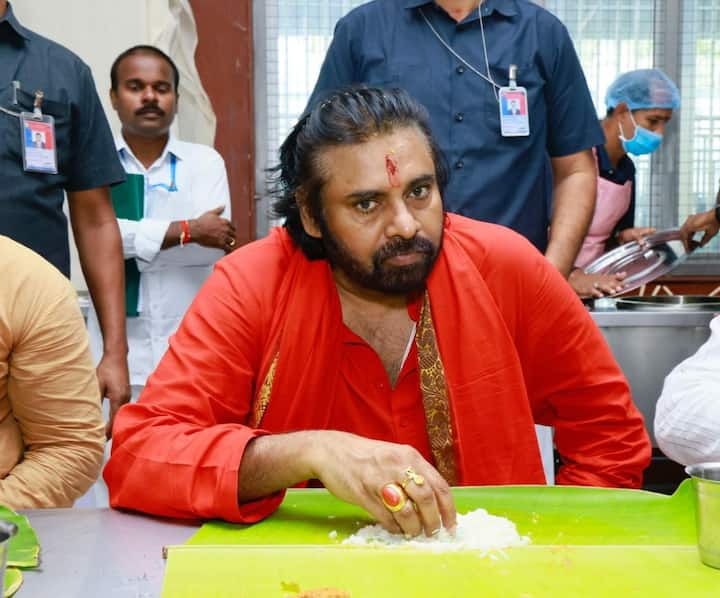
(99, 30)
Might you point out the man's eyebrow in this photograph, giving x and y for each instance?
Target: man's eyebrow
(366, 194)
(423, 179)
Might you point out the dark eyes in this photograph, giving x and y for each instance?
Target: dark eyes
(420, 192)
(366, 205)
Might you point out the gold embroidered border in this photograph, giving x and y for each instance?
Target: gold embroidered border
(263, 399)
(435, 396)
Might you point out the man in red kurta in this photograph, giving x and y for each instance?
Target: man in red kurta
(373, 335)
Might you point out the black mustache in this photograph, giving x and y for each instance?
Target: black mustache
(148, 109)
(400, 246)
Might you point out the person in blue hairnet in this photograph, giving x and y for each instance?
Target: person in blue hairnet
(639, 105)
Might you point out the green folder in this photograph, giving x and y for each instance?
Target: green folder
(128, 200)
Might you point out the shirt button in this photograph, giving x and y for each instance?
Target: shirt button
(459, 117)
(459, 164)
(460, 70)
(611, 171)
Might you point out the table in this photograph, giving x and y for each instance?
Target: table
(643, 543)
(100, 552)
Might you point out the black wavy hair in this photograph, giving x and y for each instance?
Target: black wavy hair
(142, 49)
(345, 117)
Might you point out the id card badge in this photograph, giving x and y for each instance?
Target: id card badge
(38, 143)
(514, 118)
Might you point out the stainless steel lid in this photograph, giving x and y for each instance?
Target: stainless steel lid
(670, 302)
(658, 254)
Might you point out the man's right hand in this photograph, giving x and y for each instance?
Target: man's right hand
(114, 382)
(355, 469)
(210, 230)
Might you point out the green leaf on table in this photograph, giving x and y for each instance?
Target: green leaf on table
(24, 548)
(13, 581)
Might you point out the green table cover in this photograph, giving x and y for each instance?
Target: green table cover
(585, 542)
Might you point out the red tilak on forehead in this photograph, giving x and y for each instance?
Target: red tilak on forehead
(393, 172)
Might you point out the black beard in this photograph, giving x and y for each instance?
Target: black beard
(392, 280)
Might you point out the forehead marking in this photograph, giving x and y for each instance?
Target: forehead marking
(392, 169)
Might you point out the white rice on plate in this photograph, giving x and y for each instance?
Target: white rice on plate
(476, 530)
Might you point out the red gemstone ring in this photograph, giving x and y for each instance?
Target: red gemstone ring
(393, 497)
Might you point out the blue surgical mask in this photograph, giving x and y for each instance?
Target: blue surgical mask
(644, 141)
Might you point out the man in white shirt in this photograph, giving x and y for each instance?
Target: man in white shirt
(185, 228)
(687, 417)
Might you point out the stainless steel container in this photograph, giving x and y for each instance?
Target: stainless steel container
(682, 303)
(649, 336)
(648, 344)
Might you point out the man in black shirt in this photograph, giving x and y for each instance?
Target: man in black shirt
(38, 73)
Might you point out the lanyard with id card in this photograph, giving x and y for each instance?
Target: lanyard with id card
(514, 117)
(37, 132)
(512, 100)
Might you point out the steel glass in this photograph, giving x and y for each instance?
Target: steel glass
(706, 483)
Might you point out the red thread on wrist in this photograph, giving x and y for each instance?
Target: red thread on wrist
(186, 231)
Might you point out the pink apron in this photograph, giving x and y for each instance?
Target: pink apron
(612, 202)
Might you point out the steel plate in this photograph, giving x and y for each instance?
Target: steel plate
(657, 255)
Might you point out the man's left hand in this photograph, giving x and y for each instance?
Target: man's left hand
(114, 381)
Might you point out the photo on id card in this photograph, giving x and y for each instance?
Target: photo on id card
(38, 143)
(514, 119)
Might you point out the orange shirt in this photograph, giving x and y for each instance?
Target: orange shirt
(369, 406)
(517, 347)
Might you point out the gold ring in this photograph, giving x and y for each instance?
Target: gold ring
(393, 497)
(411, 476)
(231, 242)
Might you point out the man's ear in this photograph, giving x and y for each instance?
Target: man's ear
(113, 99)
(311, 227)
